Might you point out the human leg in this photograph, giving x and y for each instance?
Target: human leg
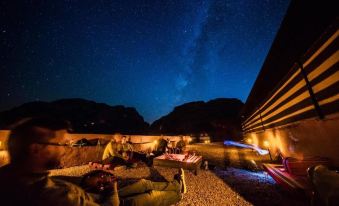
(114, 161)
(144, 185)
(180, 177)
(153, 198)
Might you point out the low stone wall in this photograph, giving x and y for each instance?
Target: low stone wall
(82, 155)
(3, 139)
(4, 158)
(138, 139)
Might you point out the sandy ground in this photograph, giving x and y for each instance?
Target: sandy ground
(212, 187)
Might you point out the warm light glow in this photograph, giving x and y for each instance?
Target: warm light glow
(233, 143)
(249, 141)
(189, 139)
(279, 142)
(254, 138)
(155, 142)
(266, 143)
(207, 141)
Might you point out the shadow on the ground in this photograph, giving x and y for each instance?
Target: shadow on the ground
(155, 175)
(258, 188)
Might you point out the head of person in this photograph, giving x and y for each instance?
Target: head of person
(38, 142)
(124, 139)
(98, 181)
(117, 138)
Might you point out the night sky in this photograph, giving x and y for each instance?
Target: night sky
(151, 55)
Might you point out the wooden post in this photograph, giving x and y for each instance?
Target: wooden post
(310, 90)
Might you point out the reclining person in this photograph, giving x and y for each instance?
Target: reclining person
(36, 145)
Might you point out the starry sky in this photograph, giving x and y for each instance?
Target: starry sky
(151, 55)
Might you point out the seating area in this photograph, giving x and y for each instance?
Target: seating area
(292, 174)
(287, 180)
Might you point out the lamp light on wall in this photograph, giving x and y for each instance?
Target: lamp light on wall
(249, 141)
(155, 142)
(266, 144)
(189, 140)
(154, 145)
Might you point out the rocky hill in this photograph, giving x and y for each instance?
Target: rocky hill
(85, 116)
(218, 118)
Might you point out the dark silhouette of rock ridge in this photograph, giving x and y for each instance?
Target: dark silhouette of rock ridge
(85, 116)
(218, 118)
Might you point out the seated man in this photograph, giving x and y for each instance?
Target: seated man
(36, 145)
(127, 151)
(181, 144)
(118, 152)
(162, 147)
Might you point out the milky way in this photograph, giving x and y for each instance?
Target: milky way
(151, 55)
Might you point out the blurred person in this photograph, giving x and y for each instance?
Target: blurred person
(326, 184)
(181, 144)
(162, 147)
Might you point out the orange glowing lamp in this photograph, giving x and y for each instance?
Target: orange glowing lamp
(266, 143)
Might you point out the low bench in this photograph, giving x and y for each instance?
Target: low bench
(287, 180)
(192, 163)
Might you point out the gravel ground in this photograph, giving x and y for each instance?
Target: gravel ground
(213, 187)
(259, 188)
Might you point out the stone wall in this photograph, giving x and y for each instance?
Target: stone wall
(82, 155)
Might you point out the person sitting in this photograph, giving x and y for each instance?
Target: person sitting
(118, 152)
(127, 151)
(134, 157)
(162, 147)
(36, 145)
(170, 146)
(181, 144)
(113, 153)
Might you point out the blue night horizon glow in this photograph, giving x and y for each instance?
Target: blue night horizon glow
(151, 55)
(249, 146)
